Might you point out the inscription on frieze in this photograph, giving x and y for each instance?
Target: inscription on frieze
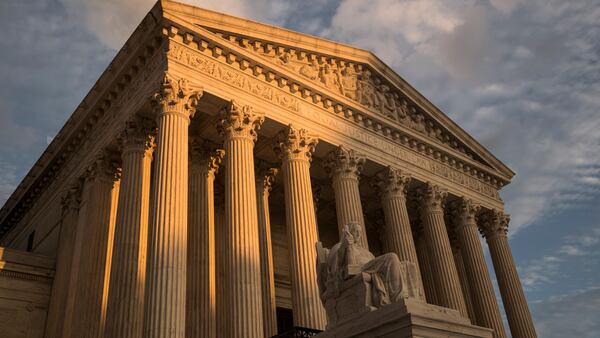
(355, 82)
(220, 71)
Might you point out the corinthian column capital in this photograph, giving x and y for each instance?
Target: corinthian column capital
(176, 96)
(345, 163)
(465, 211)
(138, 135)
(71, 197)
(494, 223)
(295, 144)
(104, 167)
(265, 178)
(204, 156)
(432, 197)
(392, 181)
(240, 121)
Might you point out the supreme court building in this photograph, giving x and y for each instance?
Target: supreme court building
(185, 194)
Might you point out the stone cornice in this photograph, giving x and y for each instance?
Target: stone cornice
(228, 25)
(205, 42)
(120, 77)
(210, 56)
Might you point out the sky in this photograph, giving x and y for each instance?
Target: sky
(521, 76)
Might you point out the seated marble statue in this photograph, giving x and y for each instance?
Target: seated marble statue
(349, 272)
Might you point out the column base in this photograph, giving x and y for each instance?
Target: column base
(408, 318)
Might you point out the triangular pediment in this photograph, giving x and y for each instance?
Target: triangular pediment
(345, 73)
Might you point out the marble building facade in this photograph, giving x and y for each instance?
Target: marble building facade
(185, 195)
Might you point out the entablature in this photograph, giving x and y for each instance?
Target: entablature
(229, 74)
(210, 55)
(389, 95)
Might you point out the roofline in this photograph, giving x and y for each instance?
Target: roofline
(219, 21)
(80, 115)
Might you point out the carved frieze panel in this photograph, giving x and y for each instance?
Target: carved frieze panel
(210, 66)
(356, 82)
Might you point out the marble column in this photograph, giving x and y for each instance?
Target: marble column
(494, 227)
(201, 268)
(243, 297)
(447, 284)
(391, 185)
(220, 247)
(264, 182)
(62, 288)
(464, 281)
(125, 313)
(485, 305)
(424, 265)
(295, 147)
(175, 104)
(89, 308)
(344, 167)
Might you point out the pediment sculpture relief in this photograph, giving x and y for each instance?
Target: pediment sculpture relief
(357, 83)
(353, 281)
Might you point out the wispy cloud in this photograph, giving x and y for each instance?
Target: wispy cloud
(521, 76)
(538, 272)
(570, 315)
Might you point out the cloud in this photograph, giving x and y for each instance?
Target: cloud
(538, 272)
(8, 180)
(113, 21)
(521, 77)
(570, 315)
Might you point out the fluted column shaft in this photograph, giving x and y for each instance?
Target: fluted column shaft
(425, 268)
(295, 147)
(464, 282)
(62, 288)
(391, 185)
(441, 260)
(344, 167)
(201, 268)
(125, 313)
(519, 318)
(220, 247)
(167, 252)
(89, 308)
(485, 305)
(242, 261)
(264, 182)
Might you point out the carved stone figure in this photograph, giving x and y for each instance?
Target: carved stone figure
(286, 60)
(366, 90)
(353, 281)
(387, 103)
(329, 78)
(311, 70)
(349, 80)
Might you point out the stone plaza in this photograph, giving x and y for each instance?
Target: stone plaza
(185, 196)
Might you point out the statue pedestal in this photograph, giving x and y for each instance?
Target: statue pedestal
(407, 318)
